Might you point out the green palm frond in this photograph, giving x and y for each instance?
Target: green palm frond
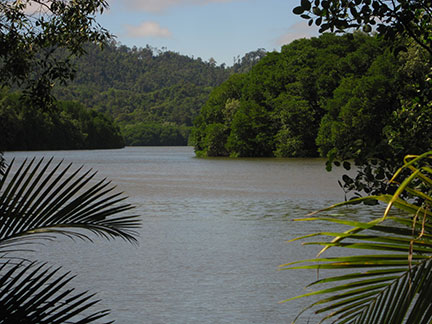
(38, 294)
(45, 199)
(392, 282)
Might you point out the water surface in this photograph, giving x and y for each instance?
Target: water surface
(213, 234)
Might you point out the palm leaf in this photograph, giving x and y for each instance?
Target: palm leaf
(2, 164)
(37, 200)
(37, 294)
(393, 282)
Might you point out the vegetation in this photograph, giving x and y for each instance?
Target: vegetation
(33, 34)
(72, 126)
(404, 18)
(332, 95)
(391, 282)
(136, 87)
(407, 27)
(153, 134)
(152, 94)
(39, 201)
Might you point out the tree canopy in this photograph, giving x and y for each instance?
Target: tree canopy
(152, 94)
(407, 25)
(33, 32)
(329, 96)
(394, 283)
(72, 126)
(391, 19)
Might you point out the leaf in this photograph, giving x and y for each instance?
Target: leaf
(298, 10)
(347, 165)
(38, 294)
(306, 5)
(396, 283)
(37, 202)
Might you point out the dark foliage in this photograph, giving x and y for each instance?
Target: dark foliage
(407, 25)
(146, 90)
(39, 201)
(34, 33)
(71, 126)
(329, 96)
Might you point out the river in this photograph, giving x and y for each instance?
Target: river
(213, 234)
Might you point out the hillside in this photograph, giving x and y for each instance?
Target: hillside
(331, 96)
(153, 95)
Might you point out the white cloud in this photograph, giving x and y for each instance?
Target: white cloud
(296, 31)
(161, 5)
(148, 29)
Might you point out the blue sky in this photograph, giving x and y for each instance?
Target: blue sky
(219, 29)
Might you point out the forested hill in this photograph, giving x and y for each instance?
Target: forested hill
(330, 95)
(152, 94)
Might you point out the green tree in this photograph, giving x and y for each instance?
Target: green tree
(72, 126)
(407, 26)
(250, 134)
(34, 33)
(299, 124)
(155, 134)
(392, 19)
(215, 139)
(220, 109)
(293, 90)
(359, 111)
(391, 283)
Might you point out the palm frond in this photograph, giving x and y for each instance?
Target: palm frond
(393, 282)
(42, 198)
(38, 294)
(2, 164)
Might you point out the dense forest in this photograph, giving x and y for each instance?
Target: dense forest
(330, 95)
(152, 94)
(70, 126)
(118, 96)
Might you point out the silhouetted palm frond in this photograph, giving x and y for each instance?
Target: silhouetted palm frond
(38, 200)
(37, 294)
(2, 164)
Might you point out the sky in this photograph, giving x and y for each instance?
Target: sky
(218, 29)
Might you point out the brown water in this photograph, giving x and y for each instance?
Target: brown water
(214, 232)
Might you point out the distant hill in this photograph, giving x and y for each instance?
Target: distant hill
(153, 95)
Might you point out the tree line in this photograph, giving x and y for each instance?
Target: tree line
(335, 96)
(146, 95)
(69, 126)
(152, 94)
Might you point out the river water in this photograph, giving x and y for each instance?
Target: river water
(213, 234)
